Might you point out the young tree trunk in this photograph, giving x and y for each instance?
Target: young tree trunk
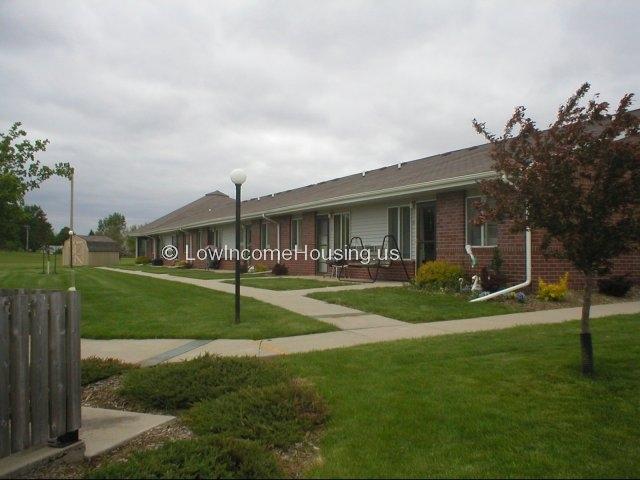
(585, 329)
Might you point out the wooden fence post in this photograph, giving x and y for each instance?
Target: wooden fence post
(73, 365)
(19, 376)
(39, 369)
(5, 401)
(57, 365)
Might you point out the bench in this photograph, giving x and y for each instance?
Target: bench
(374, 259)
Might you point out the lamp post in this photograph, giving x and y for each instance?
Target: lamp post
(71, 248)
(238, 177)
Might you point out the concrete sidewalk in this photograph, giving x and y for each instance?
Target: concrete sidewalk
(348, 338)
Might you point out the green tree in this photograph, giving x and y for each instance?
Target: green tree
(113, 226)
(20, 172)
(40, 230)
(61, 236)
(578, 182)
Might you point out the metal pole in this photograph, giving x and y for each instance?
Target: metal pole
(26, 246)
(237, 320)
(71, 224)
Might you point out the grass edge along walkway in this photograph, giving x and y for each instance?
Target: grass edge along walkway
(350, 338)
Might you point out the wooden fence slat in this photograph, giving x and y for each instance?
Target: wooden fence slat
(5, 403)
(57, 364)
(73, 361)
(19, 376)
(39, 369)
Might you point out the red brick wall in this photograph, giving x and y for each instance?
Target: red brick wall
(450, 242)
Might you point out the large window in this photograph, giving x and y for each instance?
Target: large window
(142, 246)
(479, 235)
(296, 233)
(264, 235)
(341, 231)
(400, 228)
(247, 236)
(213, 237)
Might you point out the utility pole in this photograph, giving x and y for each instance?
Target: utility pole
(71, 223)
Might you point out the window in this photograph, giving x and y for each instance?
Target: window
(400, 227)
(264, 235)
(341, 231)
(296, 233)
(142, 247)
(213, 237)
(479, 235)
(247, 236)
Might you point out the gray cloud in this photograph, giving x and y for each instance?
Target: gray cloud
(155, 102)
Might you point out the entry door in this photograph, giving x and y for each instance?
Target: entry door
(426, 232)
(322, 241)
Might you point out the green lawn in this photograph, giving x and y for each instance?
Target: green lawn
(508, 403)
(118, 305)
(412, 305)
(287, 283)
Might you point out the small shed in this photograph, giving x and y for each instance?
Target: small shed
(91, 251)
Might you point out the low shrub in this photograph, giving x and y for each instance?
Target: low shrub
(157, 262)
(94, 369)
(211, 457)
(616, 286)
(182, 264)
(142, 260)
(260, 267)
(491, 280)
(177, 386)
(439, 275)
(553, 291)
(276, 416)
(280, 269)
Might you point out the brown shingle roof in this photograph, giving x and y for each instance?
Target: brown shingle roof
(100, 243)
(459, 163)
(216, 206)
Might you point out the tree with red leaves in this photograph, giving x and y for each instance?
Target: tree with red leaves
(578, 181)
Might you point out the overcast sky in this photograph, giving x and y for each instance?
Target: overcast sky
(154, 103)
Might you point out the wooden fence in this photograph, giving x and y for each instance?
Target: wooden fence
(39, 368)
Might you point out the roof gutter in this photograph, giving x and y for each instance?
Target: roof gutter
(422, 187)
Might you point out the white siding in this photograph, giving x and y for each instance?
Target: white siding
(228, 235)
(370, 223)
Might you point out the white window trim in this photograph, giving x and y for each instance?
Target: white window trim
(243, 239)
(399, 240)
(342, 214)
(483, 227)
(264, 240)
(298, 222)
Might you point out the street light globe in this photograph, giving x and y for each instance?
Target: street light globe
(238, 176)
(70, 232)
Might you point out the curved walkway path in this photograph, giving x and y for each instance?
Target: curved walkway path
(357, 328)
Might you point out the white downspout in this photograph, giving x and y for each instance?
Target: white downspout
(524, 284)
(277, 229)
